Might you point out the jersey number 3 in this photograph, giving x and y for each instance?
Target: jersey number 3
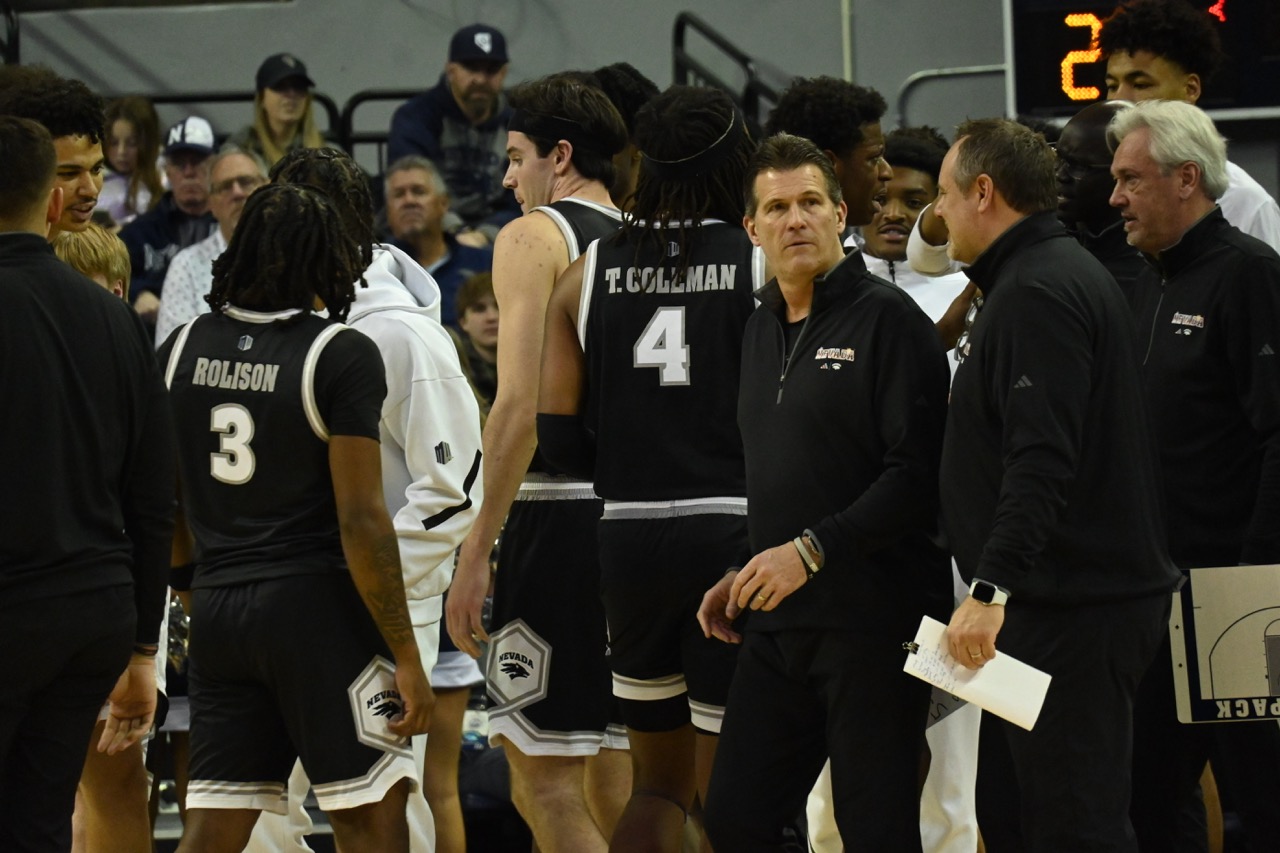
(662, 345)
(234, 462)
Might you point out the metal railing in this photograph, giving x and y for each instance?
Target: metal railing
(689, 69)
(351, 137)
(9, 48)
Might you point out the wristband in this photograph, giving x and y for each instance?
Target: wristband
(810, 565)
(811, 539)
(147, 650)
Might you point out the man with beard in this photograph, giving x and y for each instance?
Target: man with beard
(461, 125)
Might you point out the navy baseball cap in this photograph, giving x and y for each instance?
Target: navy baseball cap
(191, 134)
(478, 43)
(279, 67)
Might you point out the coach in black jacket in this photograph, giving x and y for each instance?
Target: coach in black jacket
(1208, 316)
(88, 480)
(1050, 495)
(841, 406)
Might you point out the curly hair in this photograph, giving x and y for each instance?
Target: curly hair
(828, 112)
(678, 125)
(289, 247)
(627, 89)
(64, 106)
(921, 148)
(1171, 29)
(334, 173)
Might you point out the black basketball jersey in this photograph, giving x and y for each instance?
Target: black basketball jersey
(662, 354)
(255, 401)
(580, 222)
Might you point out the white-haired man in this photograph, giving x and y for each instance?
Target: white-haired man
(1208, 314)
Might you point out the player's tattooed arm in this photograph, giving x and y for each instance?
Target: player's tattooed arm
(373, 556)
(369, 539)
(385, 597)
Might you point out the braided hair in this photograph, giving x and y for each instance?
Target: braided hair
(334, 173)
(678, 125)
(290, 247)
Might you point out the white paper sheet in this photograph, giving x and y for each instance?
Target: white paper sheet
(1006, 687)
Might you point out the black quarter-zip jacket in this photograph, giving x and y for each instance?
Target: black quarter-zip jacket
(1208, 315)
(844, 438)
(1049, 483)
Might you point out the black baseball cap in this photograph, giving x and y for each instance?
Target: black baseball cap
(478, 43)
(280, 67)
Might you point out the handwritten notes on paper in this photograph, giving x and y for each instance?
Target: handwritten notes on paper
(1006, 687)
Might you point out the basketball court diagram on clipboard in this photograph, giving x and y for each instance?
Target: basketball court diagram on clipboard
(1225, 635)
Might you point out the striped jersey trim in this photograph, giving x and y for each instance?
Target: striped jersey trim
(514, 726)
(175, 354)
(649, 689)
(550, 487)
(372, 786)
(309, 380)
(259, 796)
(571, 239)
(616, 510)
(584, 298)
(706, 717)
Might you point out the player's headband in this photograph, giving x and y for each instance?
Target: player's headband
(705, 160)
(556, 128)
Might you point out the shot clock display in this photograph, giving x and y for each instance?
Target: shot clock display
(1056, 67)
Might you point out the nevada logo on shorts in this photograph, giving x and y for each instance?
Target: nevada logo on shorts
(374, 701)
(519, 663)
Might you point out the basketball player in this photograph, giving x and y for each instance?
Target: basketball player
(663, 306)
(568, 780)
(299, 601)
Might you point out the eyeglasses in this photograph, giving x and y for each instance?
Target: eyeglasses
(1074, 169)
(962, 343)
(248, 183)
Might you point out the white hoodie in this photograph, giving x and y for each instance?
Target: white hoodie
(430, 427)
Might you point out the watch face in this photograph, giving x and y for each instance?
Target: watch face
(983, 592)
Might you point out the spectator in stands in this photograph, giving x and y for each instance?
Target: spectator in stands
(628, 90)
(1169, 50)
(282, 114)
(180, 219)
(233, 175)
(73, 116)
(461, 126)
(417, 205)
(478, 343)
(132, 184)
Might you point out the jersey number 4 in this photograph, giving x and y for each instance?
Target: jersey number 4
(662, 345)
(234, 462)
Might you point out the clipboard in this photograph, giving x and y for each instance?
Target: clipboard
(1224, 633)
(1005, 686)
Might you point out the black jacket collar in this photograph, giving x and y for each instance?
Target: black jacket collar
(827, 288)
(1188, 250)
(985, 270)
